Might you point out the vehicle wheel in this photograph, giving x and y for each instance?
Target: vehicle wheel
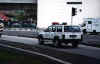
(75, 44)
(57, 43)
(0, 35)
(94, 32)
(54, 42)
(41, 41)
(84, 31)
(66, 43)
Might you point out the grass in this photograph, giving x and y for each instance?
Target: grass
(13, 58)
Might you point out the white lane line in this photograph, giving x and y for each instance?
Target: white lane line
(33, 52)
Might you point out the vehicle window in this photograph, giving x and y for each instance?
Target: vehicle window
(54, 29)
(59, 29)
(50, 28)
(89, 22)
(71, 29)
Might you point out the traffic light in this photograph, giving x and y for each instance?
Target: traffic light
(74, 11)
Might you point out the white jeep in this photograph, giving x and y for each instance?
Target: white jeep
(59, 34)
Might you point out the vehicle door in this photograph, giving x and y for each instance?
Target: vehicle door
(59, 31)
(47, 32)
(96, 26)
(53, 32)
(89, 26)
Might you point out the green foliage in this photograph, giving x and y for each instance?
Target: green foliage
(14, 58)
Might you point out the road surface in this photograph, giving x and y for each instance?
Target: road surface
(83, 53)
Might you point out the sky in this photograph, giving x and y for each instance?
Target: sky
(58, 11)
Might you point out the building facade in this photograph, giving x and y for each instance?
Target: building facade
(19, 11)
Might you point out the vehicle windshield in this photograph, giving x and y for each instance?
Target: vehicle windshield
(72, 29)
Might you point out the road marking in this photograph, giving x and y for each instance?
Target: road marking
(37, 53)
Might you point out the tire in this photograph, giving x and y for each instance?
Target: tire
(66, 43)
(57, 42)
(75, 44)
(84, 31)
(41, 41)
(94, 32)
(0, 35)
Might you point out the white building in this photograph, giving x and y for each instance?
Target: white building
(91, 8)
(55, 11)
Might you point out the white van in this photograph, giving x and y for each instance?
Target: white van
(91, 25)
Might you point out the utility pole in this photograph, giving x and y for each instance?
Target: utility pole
(74, 9)
(71, 19)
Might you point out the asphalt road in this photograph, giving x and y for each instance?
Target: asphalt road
(87, 39)
(82, 55)
(13, 56)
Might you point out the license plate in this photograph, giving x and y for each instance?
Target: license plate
(73, 36)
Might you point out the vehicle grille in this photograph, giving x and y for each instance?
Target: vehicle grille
(73, 36)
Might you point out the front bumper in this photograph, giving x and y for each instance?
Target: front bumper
(71, 40)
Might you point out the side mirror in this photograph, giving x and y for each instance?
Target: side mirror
(83, 25)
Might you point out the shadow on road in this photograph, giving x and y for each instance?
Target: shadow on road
(61, 47)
